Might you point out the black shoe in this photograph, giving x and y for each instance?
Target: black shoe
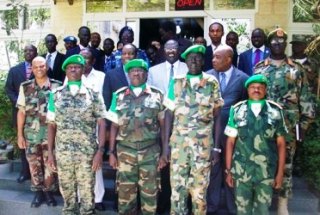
(50, 199)
(23, 178)
(100, 206)
(37, 200)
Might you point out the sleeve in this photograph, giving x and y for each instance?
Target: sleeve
(9, 87)
(161, 114)
(231, 128)
(281, 128)
(51, 114)
(306, 104)
(112, 113)
(21, 102)
(99, 107)
(169, 99)
(218, 100)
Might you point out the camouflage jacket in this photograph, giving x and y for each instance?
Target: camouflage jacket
(255, 153)
(33, 100)
(137, 116)
(76, 118)
(288, 86)
(193, 106)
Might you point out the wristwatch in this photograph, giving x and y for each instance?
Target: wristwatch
(227, 171)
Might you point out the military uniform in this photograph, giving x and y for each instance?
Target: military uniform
(137, 148)
(75, 144)
(192, 102)
(255, 156)
(289, 88)
(33, 100)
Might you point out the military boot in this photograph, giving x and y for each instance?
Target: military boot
(283, 206)
(37, 200)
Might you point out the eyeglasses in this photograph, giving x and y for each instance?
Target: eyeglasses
(138, 70)
(277, 41)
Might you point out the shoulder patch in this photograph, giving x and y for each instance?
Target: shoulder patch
(239, 103)
(274, 103)
(121, 89)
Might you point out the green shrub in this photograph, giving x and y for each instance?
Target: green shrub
(310, 153)
(6, 131)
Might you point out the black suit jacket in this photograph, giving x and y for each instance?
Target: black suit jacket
(208, 58)
(245, 60)
(234, 92)
(16, 76)
(114, 80)
(57, 72)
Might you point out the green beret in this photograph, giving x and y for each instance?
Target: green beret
(193, 49)
(73, 59)
(256, 79)
(136, 63)
(279, 32)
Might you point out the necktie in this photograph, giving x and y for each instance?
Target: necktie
(28, 71)
(49, 61)
(223, 81)
(257, 56)
(171, 72)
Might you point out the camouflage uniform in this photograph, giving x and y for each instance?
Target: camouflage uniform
(33, 101)
(191, 140)
(75, 144)
(289, 88)
(255, 156)
(137, 148)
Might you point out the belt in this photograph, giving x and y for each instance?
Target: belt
(138, 145)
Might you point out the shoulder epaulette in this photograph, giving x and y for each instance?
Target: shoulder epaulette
(239, 103)
(58, 89)
(155, 89)
(55, 81)
(275, 103)
(209, 77)
(26, 82)
(121, 89)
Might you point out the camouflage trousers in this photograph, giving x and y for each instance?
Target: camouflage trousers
(253, 197)
(189, 174)
(137, 172)
(42, 178)
(286, 189)
(75, 172)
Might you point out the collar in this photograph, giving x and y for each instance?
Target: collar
(268, 61)
(175, 65)
(262, 48)
(215, 47)
(228, 73)
(53, 54)
(203, 80)
(146, 90)
(47, 84)
(83, 47)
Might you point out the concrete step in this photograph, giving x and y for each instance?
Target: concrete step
(18, 202)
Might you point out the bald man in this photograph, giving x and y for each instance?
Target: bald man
(32, 131)
(232, 91)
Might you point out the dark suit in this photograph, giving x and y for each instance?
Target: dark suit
(208, 58)
(56, 72)
(245, 60)
(16, 76)
(234, 92)
(114, 80)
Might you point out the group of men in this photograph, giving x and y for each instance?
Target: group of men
(202, 109)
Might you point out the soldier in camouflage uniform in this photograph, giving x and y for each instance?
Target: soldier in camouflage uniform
(288, 86)
(137, 116)
(255, 153)
(32, 130)
(192, 102)
(74, 111)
